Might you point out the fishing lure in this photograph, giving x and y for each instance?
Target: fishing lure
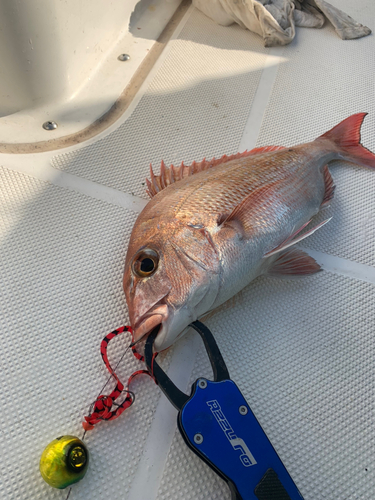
(65, 460)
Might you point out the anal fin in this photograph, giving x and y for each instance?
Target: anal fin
(294, 262)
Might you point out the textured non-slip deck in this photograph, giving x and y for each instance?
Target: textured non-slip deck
(301, 350)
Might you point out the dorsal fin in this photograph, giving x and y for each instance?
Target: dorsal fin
(172, 174)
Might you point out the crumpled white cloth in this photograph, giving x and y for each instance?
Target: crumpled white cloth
(275, 20)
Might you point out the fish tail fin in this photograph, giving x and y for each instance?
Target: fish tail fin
(347, 136)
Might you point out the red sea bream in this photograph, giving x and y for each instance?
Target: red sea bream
(212, 227)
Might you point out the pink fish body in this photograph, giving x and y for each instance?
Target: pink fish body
(213, 227)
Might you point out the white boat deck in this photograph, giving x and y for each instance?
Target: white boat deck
(301, 351)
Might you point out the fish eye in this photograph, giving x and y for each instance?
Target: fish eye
(145, 263)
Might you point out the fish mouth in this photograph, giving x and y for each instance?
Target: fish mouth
(170, 326)
(154, 318)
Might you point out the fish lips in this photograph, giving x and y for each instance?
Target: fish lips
(173, 328)
(173, 324)
(154, 317)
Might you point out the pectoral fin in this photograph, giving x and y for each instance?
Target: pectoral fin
(243, 215)
(250, 214)
(292, 240)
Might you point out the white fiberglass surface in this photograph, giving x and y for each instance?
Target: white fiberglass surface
(301, 351)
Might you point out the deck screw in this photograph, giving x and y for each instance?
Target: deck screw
(49, 125)
(243, 410)
(123, 57)
(198, 438)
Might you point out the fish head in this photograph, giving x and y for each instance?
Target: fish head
(171, 278)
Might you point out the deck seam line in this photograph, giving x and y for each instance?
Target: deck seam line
(261, 99)
(343, 267)
(46, 173)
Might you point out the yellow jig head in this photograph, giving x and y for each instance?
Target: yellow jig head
(64, 462)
